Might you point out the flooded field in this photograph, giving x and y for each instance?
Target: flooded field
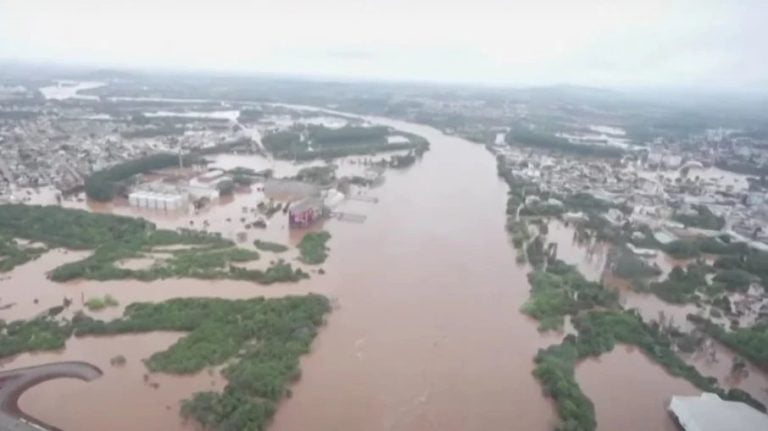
(426, 332)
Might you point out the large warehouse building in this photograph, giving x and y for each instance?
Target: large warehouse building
(709, 412)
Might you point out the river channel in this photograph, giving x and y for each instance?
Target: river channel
(425, 334)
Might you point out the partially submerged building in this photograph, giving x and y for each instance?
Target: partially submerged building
(709, 412)
(158, 197)
(305, 212)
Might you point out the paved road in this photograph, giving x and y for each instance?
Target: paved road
(13, 383)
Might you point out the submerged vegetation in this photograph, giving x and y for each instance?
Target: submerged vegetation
(313, 247)
(98, 303)
(34, 335)
(681, 285)
(751, 343)
(559, 290)
(13, 254)
(270, 246)
(259, 341)
(114, 238)
(601, 324)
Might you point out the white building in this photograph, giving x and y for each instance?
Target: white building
(157, 200)
(709, 412)
(672, 161)
(158, 196)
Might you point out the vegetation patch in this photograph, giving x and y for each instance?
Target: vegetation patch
(270, 246)
(703, 218)
(98, 303)
(313, 247)
(303, 142)
(752, 261)
(12, 254)
(681, 249)
(630, 267)
(280, 271)
(530, 138)
(681, 285)
(260, 341)
(101, 185)
(751, 343)
(34, 335)
(561, 290)
(114, 238)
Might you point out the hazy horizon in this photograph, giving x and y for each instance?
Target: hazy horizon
(597, 43)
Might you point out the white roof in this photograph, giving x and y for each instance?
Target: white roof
(710, 413)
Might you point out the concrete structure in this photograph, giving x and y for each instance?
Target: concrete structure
(157, 200)
(289, 190)
(13, 383)
(709, 412)
(202, 192)
(644, 252)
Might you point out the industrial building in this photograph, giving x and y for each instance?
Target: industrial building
(709, 412)
(158, 197)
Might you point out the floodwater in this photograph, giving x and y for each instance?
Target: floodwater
(629, 391)
(716, 360)
(425, 334)
(590, 258)
(125, 398)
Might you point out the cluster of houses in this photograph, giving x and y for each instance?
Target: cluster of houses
(655, 193)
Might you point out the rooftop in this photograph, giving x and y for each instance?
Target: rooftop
(709, 412)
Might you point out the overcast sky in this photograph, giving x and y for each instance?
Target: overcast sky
(722, 44)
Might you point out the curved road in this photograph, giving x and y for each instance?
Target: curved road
(13, 383)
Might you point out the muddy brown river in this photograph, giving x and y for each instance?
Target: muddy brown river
(425, 334)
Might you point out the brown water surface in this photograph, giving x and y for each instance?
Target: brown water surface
(125, 398)
(629, 391)
(426, 332)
